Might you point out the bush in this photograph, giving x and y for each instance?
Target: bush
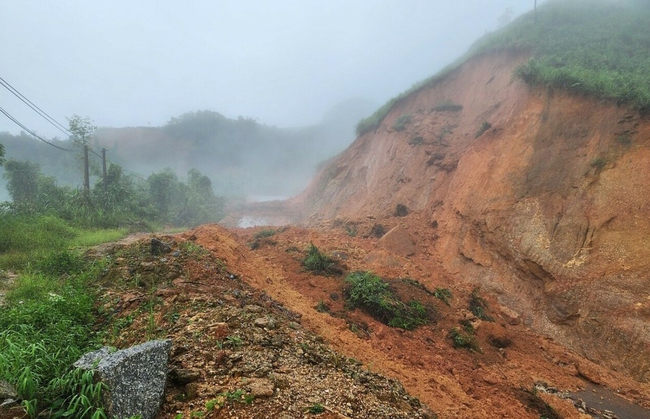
(317, 262)
(401, 210)
(478, 306)
(447, 106)
(463, 339)
(443, 294)
(401, 122)
(484, 127)
(373, 294)
(377, 231)
(598, 163)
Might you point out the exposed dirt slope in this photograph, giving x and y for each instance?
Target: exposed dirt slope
(548, 209)
(495, 381)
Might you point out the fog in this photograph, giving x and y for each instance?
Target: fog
(283, 62)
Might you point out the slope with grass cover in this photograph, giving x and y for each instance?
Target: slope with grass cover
(524, 169)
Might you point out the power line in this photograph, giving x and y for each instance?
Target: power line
(30, 131)
(35, 108)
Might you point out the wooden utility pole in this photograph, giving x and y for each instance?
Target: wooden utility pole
(86, 171)
(104, 170)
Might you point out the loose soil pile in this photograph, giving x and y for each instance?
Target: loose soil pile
(257, 336)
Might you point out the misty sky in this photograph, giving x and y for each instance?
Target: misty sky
(284, 62)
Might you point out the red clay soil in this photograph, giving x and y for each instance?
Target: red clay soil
(494, 381)
(548, 209)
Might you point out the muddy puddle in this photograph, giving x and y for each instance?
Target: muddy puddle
(604, 403)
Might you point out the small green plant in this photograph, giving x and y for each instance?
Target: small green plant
(624, 140)
(463, 339)
(317, 262)
(265, 233)
(194, 249)
(322, 307)
(401, 210)
(238, 396)
(416, 140)
(484, 127)
(598, 163)
(351, 229)
(374, 295)
(211, 404)
(447, 106)
(316, 409)
(443, 294)
(478, 306)
(234, 341)
(402, 122)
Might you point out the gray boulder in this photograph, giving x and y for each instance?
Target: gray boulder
(135, 377)
(8, 394)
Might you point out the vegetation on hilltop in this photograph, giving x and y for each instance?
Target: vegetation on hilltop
(598, 48)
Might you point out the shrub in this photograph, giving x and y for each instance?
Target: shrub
(598, 163)
(373, 294)
(463, 339)
(416, 140)
(447, 106)
(401, 210)
(377, 231)
(478, 306)
(484, 127)
(401, 122)
(443, 294)
(319, 263)
(265, 233)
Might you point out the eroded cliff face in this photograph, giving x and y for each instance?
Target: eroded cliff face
(549, 208)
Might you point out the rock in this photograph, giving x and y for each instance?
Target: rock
(184, 376)
(7, 391)
(135, 377)
(510, 316)
(588, 372)
(159, 247)
(261, 387)
(219, 330)
(398, 241)
(267, 322)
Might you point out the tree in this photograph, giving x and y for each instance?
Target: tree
(166, 193)
(82, 130)
(22, 181)
(2, 154)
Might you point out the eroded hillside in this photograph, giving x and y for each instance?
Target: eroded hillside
(538, 196)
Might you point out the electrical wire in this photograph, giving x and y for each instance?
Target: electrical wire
(35, 108)
(8, 115)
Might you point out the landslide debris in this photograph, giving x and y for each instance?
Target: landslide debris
(236, 351)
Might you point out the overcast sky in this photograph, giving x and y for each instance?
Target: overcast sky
(284, 62)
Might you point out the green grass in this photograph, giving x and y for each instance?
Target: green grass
(46, 325)
(373, 294)
(25, 239)
(48, 320)
(88, 238)
(597, 48)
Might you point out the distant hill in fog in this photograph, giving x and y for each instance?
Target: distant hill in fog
(241, 156)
